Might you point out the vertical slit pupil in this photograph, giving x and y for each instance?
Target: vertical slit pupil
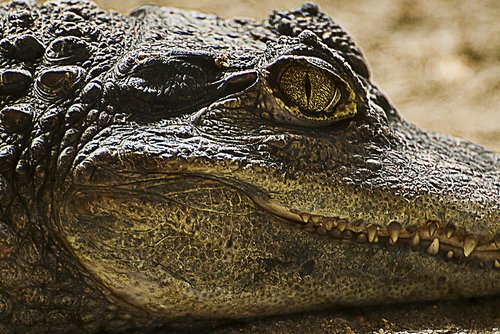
(308, 87)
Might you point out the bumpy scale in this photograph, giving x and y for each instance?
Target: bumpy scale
(171, 167)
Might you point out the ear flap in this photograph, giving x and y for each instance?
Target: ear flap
(309, 17)
(161, 85)
(155, 86)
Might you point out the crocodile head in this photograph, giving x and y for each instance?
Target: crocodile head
(227, 169)
(258, 170)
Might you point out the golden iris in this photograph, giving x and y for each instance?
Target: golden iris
(310, 88)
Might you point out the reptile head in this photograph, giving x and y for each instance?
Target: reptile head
(233, 168)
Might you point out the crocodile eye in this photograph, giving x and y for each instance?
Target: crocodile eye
(310, 88)
(310, 91)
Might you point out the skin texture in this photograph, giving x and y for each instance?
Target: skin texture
(161, 169)
(436, 61)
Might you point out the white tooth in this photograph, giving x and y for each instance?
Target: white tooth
(450, 230)
(341, 225)
(327, 225)
(305, 217)
(433, 248)
(415, 241)
(394, 229)
(470, 243)
(432, 227)
(450, 254)
(372, 233)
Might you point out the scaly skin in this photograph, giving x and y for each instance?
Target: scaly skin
(155, 170)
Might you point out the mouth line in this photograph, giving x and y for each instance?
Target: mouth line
(431, 237)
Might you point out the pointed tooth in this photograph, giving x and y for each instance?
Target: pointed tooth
(497, 264)
(342, 225)
(305, 217)
(315, 219)
(449, 255)
(470, 243)
(450, 230)
(433, 248)
(327, 225)
(394, 229)
(371, 233)
(415, 241)
(432, 227)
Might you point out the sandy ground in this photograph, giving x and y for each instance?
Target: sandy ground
(437, 60)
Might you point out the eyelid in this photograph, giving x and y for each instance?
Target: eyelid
(314, 61)
(319, 63)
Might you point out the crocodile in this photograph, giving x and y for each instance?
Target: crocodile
(173, 168)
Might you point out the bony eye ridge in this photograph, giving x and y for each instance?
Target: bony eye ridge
(311, 89)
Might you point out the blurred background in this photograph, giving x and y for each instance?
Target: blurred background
(437, 60)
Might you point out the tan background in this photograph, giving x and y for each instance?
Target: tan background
(437, 60)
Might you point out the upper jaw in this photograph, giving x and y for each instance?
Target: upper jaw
(439, 226)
